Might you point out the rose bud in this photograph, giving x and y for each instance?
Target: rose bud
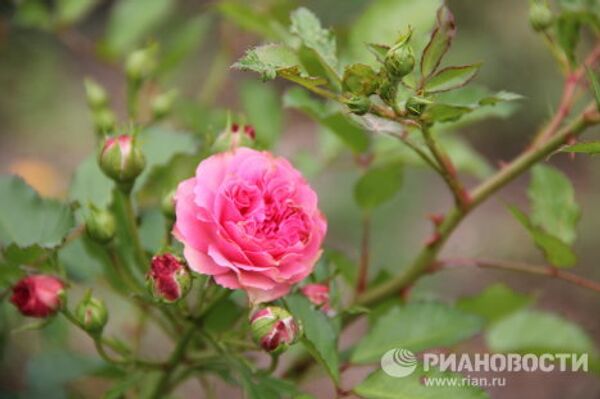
(100, 225)
(540, 16)
(235, 136)
(274, 329)
(140, 64)
(360, 80)
(358, 105)
(104, 120)
(163, 104)
(95, 94)
(400, 61)
(416, 105)
(169, 279)
(91, 314)
(318, 294)
(38, 295)
(167, 205)
(121, 159)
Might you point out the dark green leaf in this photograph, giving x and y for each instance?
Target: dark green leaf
(26, 219)
(90, 185)
(556, 251)
(416, 327)
(263, 107)
(222, 316)
(378, 185)
(590, 147)
(494, 303)
(319, 334)
(451, 78)
(445, 112)
(440, 42)
(553, 206)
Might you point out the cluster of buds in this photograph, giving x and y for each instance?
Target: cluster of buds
(38, 295)
(169, 278)
(235, 136)
(97, 99)
(91, 314)
(318, 295)
(274, 329)
(121, 159)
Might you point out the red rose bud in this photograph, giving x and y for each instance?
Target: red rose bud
(38, 295)
(318, 294)
(91, 314)
(169, 279)
(121, 159)
(100, 225)
(274, 329)
(235, 136)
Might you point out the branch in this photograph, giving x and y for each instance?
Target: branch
(364, 255)
(546, 271)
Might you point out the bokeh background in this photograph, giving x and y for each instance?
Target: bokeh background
(46, 131)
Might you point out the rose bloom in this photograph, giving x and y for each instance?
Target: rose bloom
(251, 221)
(37, 295)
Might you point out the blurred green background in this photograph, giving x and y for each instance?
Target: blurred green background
(47, 48)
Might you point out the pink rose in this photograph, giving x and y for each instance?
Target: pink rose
(251, 221)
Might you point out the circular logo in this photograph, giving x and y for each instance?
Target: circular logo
(398, 362)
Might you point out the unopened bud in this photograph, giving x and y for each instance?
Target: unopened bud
(91, 314)
(163, 104)
(540, 16)
(169, 279)
(104, 120)
(360, 79)
(100, 225)
(121, 159)
(167, 205)
(95, 94)
(38, 295)
(235, 136)
(141, 64)
(358, 105)
(416, 105)
(274, 329)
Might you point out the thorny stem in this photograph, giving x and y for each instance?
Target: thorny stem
(547, 271)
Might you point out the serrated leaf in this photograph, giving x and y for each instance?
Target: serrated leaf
(26, 219)
(319, 334)
(322, 41)
(590, 147)
(553, 205)
(555, 251)
(379, 385)
(416, 327)
(494, 302)
(439, 43)
(90, 186)
(538, 332)
(445, 112)
(378, 185)
(269, 60)
(263, 108)
(451, 78)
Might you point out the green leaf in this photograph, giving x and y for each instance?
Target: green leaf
(494, 303)
(263, 108)
(416, 327)
(378, 185)
(322, 41)
(250, 18)
(302, 100)
(595, 86)
(568, 28)
(152, 230)
(268, 60)
(382, 20)
(379, 385)
(440, 42)
(501, 96)
(556, 251)
(90, 186)
(538, 332)
(222, 316)
(26, 219)
(451, 78)
(445, 112)
(131, 20)
(182, 41)
(319, 334)
(70, 11)
(553, 205)
(119, 390)
(590, 147)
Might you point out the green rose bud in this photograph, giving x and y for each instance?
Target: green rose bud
(121, 159)
(91, 314)
(163, 104)
(100, 225)
(540, 16)
(167, 205)
(388, 91)
(358, 105)
(95, 94)
(360, 79)
(169, 279)
(400, 61)
(141, 64)
(274, 329)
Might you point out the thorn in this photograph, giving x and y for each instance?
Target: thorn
(435, 237)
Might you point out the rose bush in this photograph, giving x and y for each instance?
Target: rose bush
(251, 221)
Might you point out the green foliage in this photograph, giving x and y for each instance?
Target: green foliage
(595, 86)
(378, 185)
(320, 337)
(379, 385)
(26, 219)
(416, 327)
(494, 303)
(263, 108)
(590, 147)
(270, 60)
(451, 78)
(439, 43)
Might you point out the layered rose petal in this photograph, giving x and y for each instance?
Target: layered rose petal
(251, 221)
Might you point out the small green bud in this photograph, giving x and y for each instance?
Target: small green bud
(169, 278)
(274, 329)
(104, 120)
(235, 136)
(167, 205)
(163, 104)
(388, 91)
(416, 105)
(121, 159)
(360, 79)
(358, 105)
(91, 314)
(141, 64)
(400, 61)
(95, 94)
(540, 16)
(100, 225)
